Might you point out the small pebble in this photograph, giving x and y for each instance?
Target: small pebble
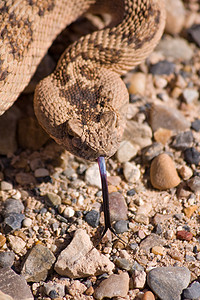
(25, 178)
(6, 186)
(16, 244)
(121, 226)
(137, 83)
(194, 33)
(192, 156)
(185, 172)
(27, 222)
(114, 286)
(190, 95)
(12, 222)
(53, 199)
(2, 240)
(139, 279)
(12, 206)
(39, 260)
(168, 282)
(193, 291)
(6, 259)
(92, 218)
(114, 180)
(157, 250)
(176, 48)
(194, 184)
(123, 263)
(190, 210)
(175, 16)
(175, 254)
(162, 116)
(184, 235)
(41, 172)
(131, 172)
(151, 151)
(162, 135)
(196, 125)
(151, 241)
(131, 192)
(68, 212)
(183, 140)
(162, 67)
(189, 258)
(92, 176)
(126, 151)
(118, 207)
(148, 296)
(163, 173)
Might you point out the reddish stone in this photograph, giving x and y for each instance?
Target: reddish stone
(184, 235)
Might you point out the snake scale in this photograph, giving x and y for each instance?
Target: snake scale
(81, 104)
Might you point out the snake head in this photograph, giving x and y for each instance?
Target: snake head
(87, 119)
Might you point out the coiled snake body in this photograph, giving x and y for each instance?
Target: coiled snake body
(80, 104)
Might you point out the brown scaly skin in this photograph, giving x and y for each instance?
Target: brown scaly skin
(81, 105)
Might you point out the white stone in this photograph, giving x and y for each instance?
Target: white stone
(126, 151)
(92, 176)
(27, 222)
(68, 212)
(131, 172)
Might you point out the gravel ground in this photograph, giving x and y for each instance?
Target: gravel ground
(51, 202)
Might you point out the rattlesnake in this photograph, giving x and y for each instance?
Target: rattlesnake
(81, 103)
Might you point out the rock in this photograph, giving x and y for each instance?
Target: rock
(196, 125)
(30, 134)
(190, 95)
(36, 265)
(149, 152)
(168, 282)
(163, 174)
(123, 263)
(41, 172)
(184, 235)
(92, 176)
(163, 67)
(188, 211)
(6, 186)
(53, 199)
(12, 206)
(92, 218)
(5, 296)
(126, 151)
(148, 296)
(114, 286)
(175, 254)
(194, 184)
(81, 259)
(16, 244)
(131, 172)
(6, 259)
(162, 116)
(14, 285)
(27, 222)
(162, 135)
(175, 16)
(121, 226)
(68, 212)
(194, 33)
(131, 192)
(114, 180)
(8, 127)
(193, 291)
(151, 241)
(139, 279)
(138, 134)
(185, 172)
(176, 48)
(118, 207)
(25, 178)
(76, 288)
(12, 222)
(54, 287)
(157, 250)
(192, 156)
(183, 140)
(137, 83)
(2, 240)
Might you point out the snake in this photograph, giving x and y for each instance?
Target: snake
(82, 104)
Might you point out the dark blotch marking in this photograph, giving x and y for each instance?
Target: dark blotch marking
(43, 6)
